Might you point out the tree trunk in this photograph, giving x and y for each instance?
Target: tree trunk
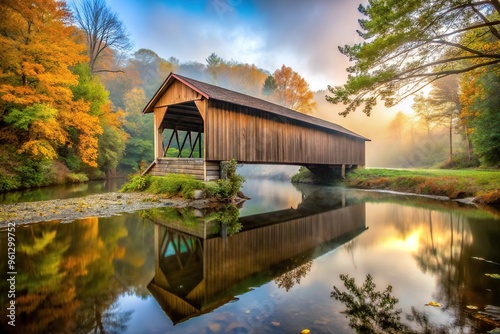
(451, 138)
(467, 142)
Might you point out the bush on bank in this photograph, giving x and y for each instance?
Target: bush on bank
(182, 185)
(484, 184)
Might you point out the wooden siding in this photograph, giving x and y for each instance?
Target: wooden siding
(188, 166)
(253, 136)
(227, 262)
(212, 170)
(177, 93)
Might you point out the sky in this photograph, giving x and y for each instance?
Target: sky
(303, 35)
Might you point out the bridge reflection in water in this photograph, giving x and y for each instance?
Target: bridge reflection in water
(197, 270)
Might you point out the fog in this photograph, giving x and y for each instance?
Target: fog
(398, 139)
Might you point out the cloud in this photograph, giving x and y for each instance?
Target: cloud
(304, 35)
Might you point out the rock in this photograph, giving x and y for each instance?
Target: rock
(198, 213)
(198, 194)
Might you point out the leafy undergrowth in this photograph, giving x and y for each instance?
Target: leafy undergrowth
(182, 185)
(482, 184)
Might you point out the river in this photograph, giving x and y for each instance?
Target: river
(269, 267)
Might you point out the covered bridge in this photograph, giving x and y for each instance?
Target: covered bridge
(198, 125)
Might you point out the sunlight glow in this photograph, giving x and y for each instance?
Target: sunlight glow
(410, 243)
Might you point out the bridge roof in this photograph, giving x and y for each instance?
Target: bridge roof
(225, 95)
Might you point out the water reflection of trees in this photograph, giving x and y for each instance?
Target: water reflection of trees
(374, 312)
(448, 243)
(68, 279)
(446, 252)
(293, 275)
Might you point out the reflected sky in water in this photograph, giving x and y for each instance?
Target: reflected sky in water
(99, 273)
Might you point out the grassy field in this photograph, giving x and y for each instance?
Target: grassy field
(482, 184)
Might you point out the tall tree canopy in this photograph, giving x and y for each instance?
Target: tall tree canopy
(410, 44)
(102, 29)
(292, 91)
(35, 77)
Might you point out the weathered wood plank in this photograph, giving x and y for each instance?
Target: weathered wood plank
(250, 135)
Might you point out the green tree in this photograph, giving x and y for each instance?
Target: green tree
(213, 63)
(139, 147)
(410, 44)
(37, 54)
(369, 310)
(269, 86)
(486, 126)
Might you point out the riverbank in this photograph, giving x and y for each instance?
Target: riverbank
(481, 186)
(101, 205)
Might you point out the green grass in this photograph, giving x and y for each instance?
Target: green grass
(181, 185)
(451, 183)
(173, 185)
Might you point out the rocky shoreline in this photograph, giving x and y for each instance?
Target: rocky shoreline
(101, 205)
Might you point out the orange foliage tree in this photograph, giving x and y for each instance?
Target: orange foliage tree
(292, 91)
(38, 50)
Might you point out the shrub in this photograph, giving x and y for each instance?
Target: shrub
(136, 183)
(235, 181)
(189, 186)
(77, 178)
(174, 185)
(9, 182)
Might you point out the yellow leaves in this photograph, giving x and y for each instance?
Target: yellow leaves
(433, 304)
(50, 130)
(37, 51)
(292, 91)
(77, 116)
(38, 149)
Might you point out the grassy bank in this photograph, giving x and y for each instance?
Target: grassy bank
(185, 186)
(484, 185)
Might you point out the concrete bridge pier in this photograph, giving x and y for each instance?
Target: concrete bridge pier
(331, 171)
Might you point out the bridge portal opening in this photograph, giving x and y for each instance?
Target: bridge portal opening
(183, 132)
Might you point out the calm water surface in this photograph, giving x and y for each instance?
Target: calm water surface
(62, 191)
(270, 271)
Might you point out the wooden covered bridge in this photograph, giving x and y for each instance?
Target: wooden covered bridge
(197, 271)
(207, 124)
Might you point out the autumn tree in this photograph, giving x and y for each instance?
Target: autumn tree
(397, 126)
(240, 77)
(481, 103)
(151, 68)
(408, 45)
(38, 50)
(102, 30)
(292, 91)
(471, 90)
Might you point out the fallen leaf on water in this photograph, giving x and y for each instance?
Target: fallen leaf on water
(483, 259)
(275, 323)
(435, 304)
(497, 276)
(305, 331)
(472, 307)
